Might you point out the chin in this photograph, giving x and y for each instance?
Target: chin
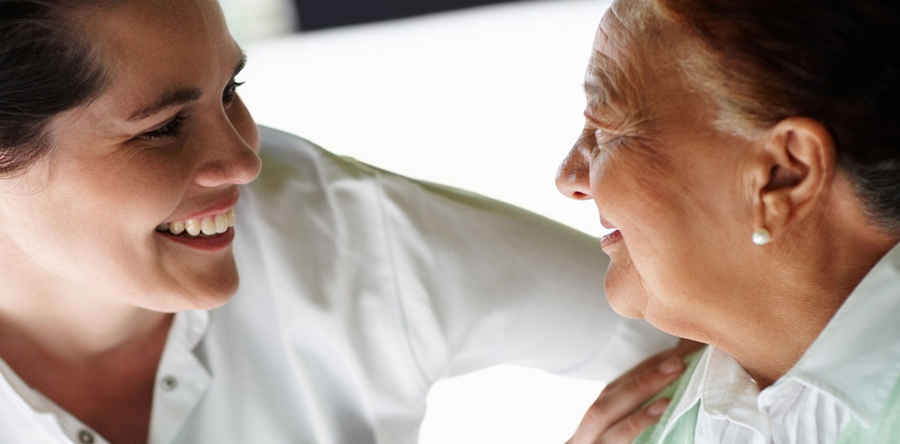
(213, 298)
(214, 292)
(197, 291)
(624, 291)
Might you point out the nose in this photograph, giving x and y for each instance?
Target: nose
(232, 158)
(573, 175)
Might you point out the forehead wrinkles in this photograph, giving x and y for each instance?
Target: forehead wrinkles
(618, 78)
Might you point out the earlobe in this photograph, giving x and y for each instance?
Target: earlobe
(793, 170)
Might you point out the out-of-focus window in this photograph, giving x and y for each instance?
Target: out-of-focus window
(253, 20)
(320, 14)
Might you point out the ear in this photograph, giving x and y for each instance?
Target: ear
(791, 173)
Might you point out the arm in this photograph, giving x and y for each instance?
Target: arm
(484, 283)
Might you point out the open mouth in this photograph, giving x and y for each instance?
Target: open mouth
(610, 238)
(208, 226)
(212, 233)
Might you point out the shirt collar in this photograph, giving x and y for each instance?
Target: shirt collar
(724, 390)
(182, 378)
(188, 328)
(691, 395)
(856, 358)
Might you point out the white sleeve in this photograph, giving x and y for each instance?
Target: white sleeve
(384, 285)
(483, 283)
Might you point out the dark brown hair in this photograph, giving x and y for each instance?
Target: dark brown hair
(45, 68)
(834, 61)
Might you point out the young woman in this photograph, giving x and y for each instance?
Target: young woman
(127, 214)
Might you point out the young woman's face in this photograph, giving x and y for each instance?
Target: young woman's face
(168, 141)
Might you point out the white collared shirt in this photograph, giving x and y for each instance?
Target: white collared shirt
(847, 372)
(359, 290)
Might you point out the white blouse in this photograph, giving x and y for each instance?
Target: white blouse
(359, 290)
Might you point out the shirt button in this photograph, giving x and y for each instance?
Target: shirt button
(85, 437)
(169, 383)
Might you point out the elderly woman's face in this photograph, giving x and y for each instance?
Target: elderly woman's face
(659, 174)
(166, 141)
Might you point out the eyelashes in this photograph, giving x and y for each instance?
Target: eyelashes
(173, 127)
(230, 91)
(170, 129)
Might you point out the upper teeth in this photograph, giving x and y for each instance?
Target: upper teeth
(209, 225)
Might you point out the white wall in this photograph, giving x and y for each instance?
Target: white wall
(489, 99)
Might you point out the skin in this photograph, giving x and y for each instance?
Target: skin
(89, 298)
(624, 408)
(686, 197)
(89, 285)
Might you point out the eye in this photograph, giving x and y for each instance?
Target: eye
(230, 91)
(606, 139)
(602, 136)
(169, 129)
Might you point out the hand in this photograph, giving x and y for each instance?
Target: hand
(616, 416)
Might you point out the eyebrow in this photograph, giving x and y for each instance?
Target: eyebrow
(616, 96)
(602, 111)
(240, 64)
(598, 95)
(178, 97)
(594, 121)
(172, 98)
(605, 79)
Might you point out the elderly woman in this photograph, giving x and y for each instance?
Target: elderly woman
(746, 156)
(127, 214)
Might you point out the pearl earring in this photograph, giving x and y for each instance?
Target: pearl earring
(761, 236)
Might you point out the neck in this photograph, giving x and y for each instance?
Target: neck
(779, 320)
(69, 322)
(94, 355)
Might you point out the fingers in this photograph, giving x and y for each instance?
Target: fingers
(615, 415)
(626, 430)
(651, 366)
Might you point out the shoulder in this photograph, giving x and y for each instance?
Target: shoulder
(290, 158)
(301, 173)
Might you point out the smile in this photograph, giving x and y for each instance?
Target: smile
(209, 225)
(610, 238)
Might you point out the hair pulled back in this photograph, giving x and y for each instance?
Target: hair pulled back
(45, 68)
(834, 61)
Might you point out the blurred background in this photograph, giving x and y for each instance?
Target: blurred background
(478, 94)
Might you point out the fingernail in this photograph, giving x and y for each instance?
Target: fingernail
(671, 365)
(658, 407)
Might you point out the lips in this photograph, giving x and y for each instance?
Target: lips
(209, 229)
(210, 244)
(215, 217)
(610, 238)
(605, 223)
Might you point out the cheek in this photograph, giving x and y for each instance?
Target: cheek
(640, 196)
(634, 190)
(96, 218)
(141, 187)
